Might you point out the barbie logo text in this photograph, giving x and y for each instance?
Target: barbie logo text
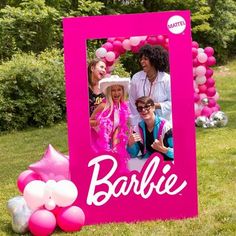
(143, 185)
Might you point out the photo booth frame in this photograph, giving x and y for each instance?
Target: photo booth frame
(174, 185)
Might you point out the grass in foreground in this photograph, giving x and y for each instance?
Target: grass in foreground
(216, 159)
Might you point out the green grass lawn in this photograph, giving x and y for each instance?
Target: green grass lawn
(216, 160)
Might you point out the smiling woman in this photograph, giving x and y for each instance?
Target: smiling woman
(96, 71)
(152, 81)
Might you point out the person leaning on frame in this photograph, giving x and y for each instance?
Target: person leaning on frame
(155, 133)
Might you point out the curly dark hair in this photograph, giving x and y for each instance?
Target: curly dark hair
(157, 55)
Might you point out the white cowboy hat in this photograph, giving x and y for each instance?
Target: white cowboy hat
(114, 80)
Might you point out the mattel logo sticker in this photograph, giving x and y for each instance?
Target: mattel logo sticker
(176, 24)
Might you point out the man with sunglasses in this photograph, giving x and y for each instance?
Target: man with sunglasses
(155, 133)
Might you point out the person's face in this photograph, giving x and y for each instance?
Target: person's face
(146, 111)
(116, 93)
(99, 70)
(145, 64)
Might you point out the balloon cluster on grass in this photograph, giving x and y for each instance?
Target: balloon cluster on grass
(48, 197)
(205, 94)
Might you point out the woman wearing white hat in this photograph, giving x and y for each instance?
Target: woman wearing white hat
(111, 116)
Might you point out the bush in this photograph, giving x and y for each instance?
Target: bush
(32, 91)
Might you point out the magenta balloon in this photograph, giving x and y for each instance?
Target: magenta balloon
(196, 62)
(25, 177)
(196, 97)
(71, 219)
(194, 52)
(211, 92)
(117, 45)
(108, 46)
(209, 72)
(209, 51)
(211, 102)
(121, 39)
(135, 49)
(214, 109)
(152, 40)
(210, 82)
(42, 222)
(202, 88)
(195, 44)
(160, 39)
(206, 111)
(110, 40)
(211, 61)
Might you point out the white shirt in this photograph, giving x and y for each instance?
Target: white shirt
(160, 92)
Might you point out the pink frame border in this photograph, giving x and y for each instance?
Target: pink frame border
(131, 208)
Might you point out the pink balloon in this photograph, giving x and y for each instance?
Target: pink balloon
(126, 44)
(211, 92)
(211, 61)
(209, 51)
(52, 166)
(110, 40)
(160, 39)
(196, 97)
(195, 44)
(215, 108)
(196, 62)
(209, 72)
(202, 96)
(152, 40)
(211, 102)
(26, 177)
(135, 49)
(216, 96)
(210, 82)
(194, 52)
(206, 111)
(200, 70)
(121, 39)
(71, 219)
(42, 223)
(110, 56)
(202, 57)
(108, 46)
(117, 46)
(202, 88)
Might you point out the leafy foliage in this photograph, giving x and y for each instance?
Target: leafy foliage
(32, 90)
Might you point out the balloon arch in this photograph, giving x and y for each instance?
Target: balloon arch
(205, 94)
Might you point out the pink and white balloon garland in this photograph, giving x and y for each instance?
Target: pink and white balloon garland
(205, 94)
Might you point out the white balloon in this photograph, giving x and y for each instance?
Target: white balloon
(34, 194)
(134, 41)
(65, 193)
(200, 79)
(126, 44)
(200, 70)
(200, 50)
(110, 56)
(101, 52)
(202, 57)
(50, 204)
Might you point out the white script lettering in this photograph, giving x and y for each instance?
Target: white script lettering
(145, 187)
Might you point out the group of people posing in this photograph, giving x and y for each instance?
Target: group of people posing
(132, 118)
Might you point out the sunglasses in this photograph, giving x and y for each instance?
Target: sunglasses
(145, 108)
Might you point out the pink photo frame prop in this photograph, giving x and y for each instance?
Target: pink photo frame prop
(162, 190)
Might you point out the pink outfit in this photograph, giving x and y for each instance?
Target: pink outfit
(102, 140)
